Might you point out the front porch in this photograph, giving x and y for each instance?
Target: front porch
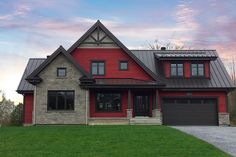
(124, 106)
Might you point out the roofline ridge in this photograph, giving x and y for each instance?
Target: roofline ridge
(37, 58)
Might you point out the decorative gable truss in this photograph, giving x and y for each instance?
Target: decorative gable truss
(98, 39)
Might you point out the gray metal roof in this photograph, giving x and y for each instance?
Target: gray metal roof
(219, 77)
(186, 53)
(147, 57)
(33, 63)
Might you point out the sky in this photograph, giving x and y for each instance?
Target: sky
(36, 28)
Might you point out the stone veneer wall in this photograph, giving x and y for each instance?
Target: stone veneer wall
(224, 119)
(52, 82)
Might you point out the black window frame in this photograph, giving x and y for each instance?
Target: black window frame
(123, 61)
(61, 68)
(108, 111)
(65, 98)
(198, 76)
(176, 70)
(98, 61)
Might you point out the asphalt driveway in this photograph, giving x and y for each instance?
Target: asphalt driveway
(221, 137)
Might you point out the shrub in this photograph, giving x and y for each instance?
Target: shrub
(17, 115)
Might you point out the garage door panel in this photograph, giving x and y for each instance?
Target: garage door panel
(190, 113)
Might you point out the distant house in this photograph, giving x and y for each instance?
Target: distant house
(98, 80)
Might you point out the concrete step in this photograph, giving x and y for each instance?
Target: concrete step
(145, 121)
(108, 121)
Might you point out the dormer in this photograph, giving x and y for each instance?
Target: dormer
(186, 63)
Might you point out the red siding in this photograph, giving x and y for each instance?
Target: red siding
(167, 69)
(207, 69)
(93, 112)
(29, 101)
(111, 56)
(187, 69)
(222, 103)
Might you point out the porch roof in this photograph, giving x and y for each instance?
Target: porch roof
(122, 83)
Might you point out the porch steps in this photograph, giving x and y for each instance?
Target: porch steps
(145, 121)
(108, 121)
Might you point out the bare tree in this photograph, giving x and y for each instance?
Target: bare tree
(156, 45)
(233, 70)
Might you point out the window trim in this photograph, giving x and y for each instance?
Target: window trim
(107, 92)
(177, 76)
(61, 68)
(123, 61)
(57, 100)
(97, 61)
(198, 76)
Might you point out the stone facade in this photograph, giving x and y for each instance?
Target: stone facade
(156, 113)
(224, 119)
(52, 82)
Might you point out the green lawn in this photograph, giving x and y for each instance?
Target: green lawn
(101, 141)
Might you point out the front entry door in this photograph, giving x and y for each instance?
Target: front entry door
(141, 105)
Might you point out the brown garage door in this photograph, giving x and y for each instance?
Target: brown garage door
(189, 111)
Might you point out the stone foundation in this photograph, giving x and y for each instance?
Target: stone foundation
(224, 119)
(129, 113)
(157, 114)
(108, 121)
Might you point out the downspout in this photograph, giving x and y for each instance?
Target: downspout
(34, 111)
(86, 109)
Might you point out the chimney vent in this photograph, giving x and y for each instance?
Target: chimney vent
(163, 48)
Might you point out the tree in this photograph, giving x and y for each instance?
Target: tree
(17, 115)
(156, 45)
(232, 95)
(6, 107)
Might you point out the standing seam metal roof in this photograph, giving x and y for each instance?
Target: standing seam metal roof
(32, 64)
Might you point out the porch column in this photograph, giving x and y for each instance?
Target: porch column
(156, 106)
(129, 107)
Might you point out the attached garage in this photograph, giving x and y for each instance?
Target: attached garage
(190, 111)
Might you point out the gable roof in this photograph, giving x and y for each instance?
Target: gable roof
(60, 50)
(24, 86)
(99, 25)
(219, 77)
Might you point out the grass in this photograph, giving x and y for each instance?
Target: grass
(101, 141)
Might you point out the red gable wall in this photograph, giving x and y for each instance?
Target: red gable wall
(111, 56)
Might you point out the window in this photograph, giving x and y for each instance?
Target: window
(60, 100)
(61, 72)
(177, 69)
(108, 102)
(123, 65)
(98, 68)
(197, 69)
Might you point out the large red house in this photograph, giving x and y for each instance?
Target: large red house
(98, 80)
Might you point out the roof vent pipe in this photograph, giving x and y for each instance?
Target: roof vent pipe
(163, 48)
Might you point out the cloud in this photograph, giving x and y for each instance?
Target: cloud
(20, 10)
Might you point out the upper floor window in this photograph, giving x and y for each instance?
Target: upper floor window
(176, 69)
(98, 68)
(197, 69)
(61, 72)
(123, 65)
(60, 100)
